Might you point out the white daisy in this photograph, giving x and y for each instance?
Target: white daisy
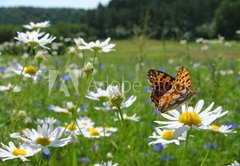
(106, 163)
(72, 130)
(116, 99)
(98, 95)
(35, 38)
(98, 46)
(40, 25)
(44, 137)
(235, 163)
(11, 152)
(95, 132)
(10, 87)
(165, 137)
(48, 120)
(80, 42)
(191, 117)
(28, 72)
(221, 129)
(70, 108)
(110, 129)
(134, 117)
(85, 123)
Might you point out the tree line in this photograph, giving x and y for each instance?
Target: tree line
(168, 19)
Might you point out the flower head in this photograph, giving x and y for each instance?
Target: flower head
(107, 163)
(45, 136)
(165, 137)
(35, 38)
(191, 117)
(224, 129)
(69, 108)
(10, 87)
(116, 99)
(48, 120)
(235, 163)
(96, 132)
(12, 152)
(97, 46)
(35, 26)
(134, 117)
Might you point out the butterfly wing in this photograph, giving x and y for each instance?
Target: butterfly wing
(160, 84)
(180, 93)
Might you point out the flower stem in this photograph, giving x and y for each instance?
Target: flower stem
(205, 158)
(185, 148)
(168, 155)
(74, 156)
(120, 113)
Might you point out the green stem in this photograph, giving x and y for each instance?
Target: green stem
(74, 156)
(20, 76)
(205, 158)
(120, 113)
(168, 155)
(185, 148)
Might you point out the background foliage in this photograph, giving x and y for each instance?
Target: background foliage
(171, 19)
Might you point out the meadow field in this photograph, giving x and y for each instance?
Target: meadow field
(214, 66)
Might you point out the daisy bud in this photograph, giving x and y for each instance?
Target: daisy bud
(88, 68)
(109, 156)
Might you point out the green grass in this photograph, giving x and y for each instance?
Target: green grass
(121, 64)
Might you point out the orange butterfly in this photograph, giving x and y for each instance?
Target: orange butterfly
(168, 93)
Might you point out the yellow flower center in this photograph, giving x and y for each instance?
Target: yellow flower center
(190, 118)
(93, 132)
(19, 152)
(30, 70)
(33, 43)
(127, 117)
(96, 48)
(215, 127)
(115, 101)
(44, 141)
(167, 134)
(106, 128)
(71, 127)
(84, 123)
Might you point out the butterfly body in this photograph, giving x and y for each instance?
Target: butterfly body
(169, 93)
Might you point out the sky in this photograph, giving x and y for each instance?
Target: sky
(86, 4)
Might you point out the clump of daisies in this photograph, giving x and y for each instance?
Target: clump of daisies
(113, 98)
(178, 124)
(35, 38)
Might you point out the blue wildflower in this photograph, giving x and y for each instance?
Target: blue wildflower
(66, 78)
(155, 111)
(231, 125)
(147, 88)
(84, 160)
(165, 157)
(158, 147)
(162, 69)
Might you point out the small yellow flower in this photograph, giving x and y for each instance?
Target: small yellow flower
(167, 134)
(30, 70)
(19, 152)
(72, 127)
(44, 141)
(190, 118)
(93, 132)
